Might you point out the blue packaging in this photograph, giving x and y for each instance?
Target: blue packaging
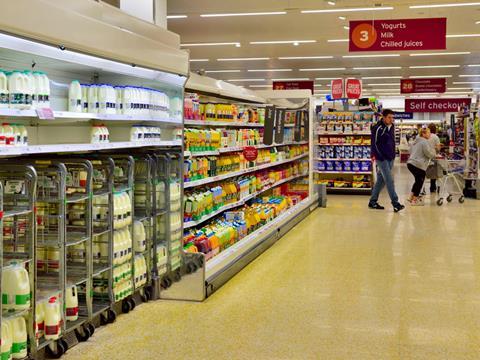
(338, 166)
(366, 166)
(356, 165)
(347, 165)
(321, 166)
(329, 166)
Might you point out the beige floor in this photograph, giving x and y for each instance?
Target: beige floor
(347, 283)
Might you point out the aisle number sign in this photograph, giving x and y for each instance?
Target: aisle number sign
(396, 35)
(411, 86)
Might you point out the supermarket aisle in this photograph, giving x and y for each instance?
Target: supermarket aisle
(347, 283)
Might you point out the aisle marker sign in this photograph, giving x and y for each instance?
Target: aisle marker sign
(353, 88)
(396, 35)
(337, 89)
(411, 86)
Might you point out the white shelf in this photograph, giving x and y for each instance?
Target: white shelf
(87, 116)
(240, 172)
(349, 189)
(344, 134)
(344, 172)
(238, 148)
(318, 144)
(222, 123)
(190, 224)
(68, 148)
(230, 255)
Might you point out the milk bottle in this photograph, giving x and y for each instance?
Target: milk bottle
(75, 97)
(15, 288)
(53, 256)
(85, 88)
(102, 98)
(7, 341)
(105, 134)
(4, 93)
(128, 207)
(41, 90)
(37, 99)
(52, 319)
(16, 88)
(119, 99)
(95, 134)
(96, 255)
(18, 329)
(116, 248)
(93, 104)
(29, 88)
(22, 130)
(111, 100)
(136, 134)
(139, 236)
(71, 301)
(128, 244)
(39, 320)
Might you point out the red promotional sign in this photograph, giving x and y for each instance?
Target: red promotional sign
(395, 35)
(293, 85)
(250, 153)
(353, 88)
(436, 105)
(337, 89)
(411, 86)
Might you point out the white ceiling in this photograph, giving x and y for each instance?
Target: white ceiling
(320, 27)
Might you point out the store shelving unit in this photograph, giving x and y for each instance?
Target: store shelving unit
(342, 153)
(72, 236)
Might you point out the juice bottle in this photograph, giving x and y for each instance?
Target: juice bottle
(71, 301)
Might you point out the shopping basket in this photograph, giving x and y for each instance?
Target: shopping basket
(452, 171)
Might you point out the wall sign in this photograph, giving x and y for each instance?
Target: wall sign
(396, 35)
(269, 125)
(411, 86)
(337, 89)
(436, 105)
(353, 88)
(293, 85)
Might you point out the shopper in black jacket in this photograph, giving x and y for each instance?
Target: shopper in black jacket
(383, 151)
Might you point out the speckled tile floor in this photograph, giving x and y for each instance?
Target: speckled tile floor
(347, 283)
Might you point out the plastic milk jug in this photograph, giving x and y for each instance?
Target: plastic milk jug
(71, 300)
(39, 319)
(18, 328)
(75, 97)
(52, 319)
(7, 341)
(139, 237)
(93, 103)
(15, 86)
(4, 93)
(84, 97)
(15, 288)
(29, 88)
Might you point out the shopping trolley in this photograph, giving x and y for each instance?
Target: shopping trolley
(450, 170)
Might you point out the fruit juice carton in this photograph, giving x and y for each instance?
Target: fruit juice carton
(329, 166)
(347, 166)
(356, 165)
(366, 166)
(338, 166)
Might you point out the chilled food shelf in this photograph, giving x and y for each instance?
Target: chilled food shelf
(240, 172)
(221, 123)
(69, 148)
(86, 116)
(233, 253)
(239, 148)
(190, 224)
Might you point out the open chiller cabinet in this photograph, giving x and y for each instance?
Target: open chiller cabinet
(17, 254)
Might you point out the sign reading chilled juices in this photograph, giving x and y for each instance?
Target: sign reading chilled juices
(396, 35)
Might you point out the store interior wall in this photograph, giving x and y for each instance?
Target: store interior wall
(142, 9)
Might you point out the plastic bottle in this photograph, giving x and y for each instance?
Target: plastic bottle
(136, 134)
(93, 103)
(4, 93)
(75, 97)
(102, 98)
(95, 134)
(96, 254)
(15, 86)
(53, 256)
(105, 134)
(128, 244)
(45, 90)
(18, 329)
(52, 319)
(71, 301)
(119, 99)
(39, 320)
(37, 99)
(23, 135)
(15, 288)
(7, 341)
(29, 88)
(139, 236)
(111, 100)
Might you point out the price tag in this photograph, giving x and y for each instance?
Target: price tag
(45, 114)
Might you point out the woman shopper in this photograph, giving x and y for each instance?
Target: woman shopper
(420, 155)
(435, 143)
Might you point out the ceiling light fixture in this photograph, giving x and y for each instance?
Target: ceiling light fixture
(342, 18)
(212, 44)
(378, 68)
(474, 65)
(282, 42)
(244, 59)
(199, 60)
(222, 71)
(245, 80)
(337, 40)
(291, 79)
(346, 27)
(177, 17)
(269, 70)
(443, 54)
(370, 56)
(319, 11)
(433, 66)
(462, 35)
(469, 75)
(381, 77)
(332, 3)
(384, 84)
(261, 86)
(317, 85)
(429, 76)
(443, 5)
(245, 14)
(333, 78)
(324, 69)
(465, 82)
(304, 57)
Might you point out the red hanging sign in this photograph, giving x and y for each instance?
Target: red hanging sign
(353, 88)
(250, 153)
(411, 86)
(337, 89)
(396, 35)
(293, 85)
(436, 105)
